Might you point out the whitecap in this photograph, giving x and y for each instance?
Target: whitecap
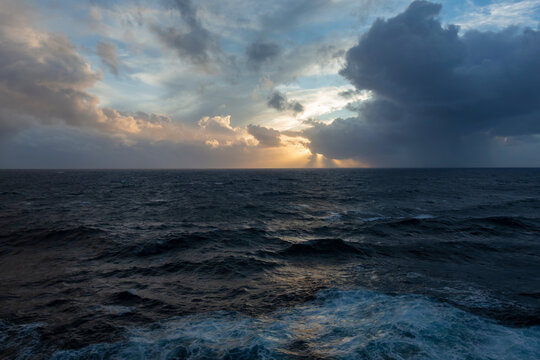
(333, 217)
(339, 324)
(375, 218)
(424, 217)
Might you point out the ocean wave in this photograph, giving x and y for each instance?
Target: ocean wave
(321, 248)
(217, 266)
(20, 341)
(74, 246)
(447, 251)
(332, 217)
(160, 245)
(39, 236)
(338, 324)
(452, 224)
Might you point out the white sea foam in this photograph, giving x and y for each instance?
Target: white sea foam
(118, 309)
(333, 217)
(424, 217)
(339, 324)
(375, 218)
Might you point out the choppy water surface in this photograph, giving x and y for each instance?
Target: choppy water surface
(284, 264)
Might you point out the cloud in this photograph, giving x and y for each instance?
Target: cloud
(42, 77)
(348, 94)
(438, 98)
(279, 101)
(194, 42)
(44, 81)
(60, 146)
(258, 53)
(216, 124)
(107, 53)
(291, 14)
(265, 136)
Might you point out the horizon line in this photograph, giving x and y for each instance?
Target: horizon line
(271, 168)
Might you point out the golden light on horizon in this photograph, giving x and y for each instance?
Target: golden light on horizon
(295, 153)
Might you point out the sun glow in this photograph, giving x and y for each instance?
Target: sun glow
(295, 153)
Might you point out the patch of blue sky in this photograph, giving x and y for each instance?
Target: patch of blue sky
(343, 113)
(491, 15)
(64, 17)
(317, 31)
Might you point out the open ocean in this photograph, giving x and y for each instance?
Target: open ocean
(270, 264)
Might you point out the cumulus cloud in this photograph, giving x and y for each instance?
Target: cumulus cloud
(107, 53)
(265, 136)
(438, 98)
(216, 124)
(279, 101)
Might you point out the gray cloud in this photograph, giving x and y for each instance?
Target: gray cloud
(266, 137)
(291, 14)
(42, 79)
(195, 42)
(349, 94)
(439, 99)
(260, 52)
(279, 101)
(72, 147)
(107, 54)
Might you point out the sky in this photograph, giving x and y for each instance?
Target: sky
(269, 84)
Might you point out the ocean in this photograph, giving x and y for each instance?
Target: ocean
(270, 264)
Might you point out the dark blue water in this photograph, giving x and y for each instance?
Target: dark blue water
(270, 264)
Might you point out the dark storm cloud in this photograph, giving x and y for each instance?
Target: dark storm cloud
(438, 98)
(266, 137)
(194, 42)
(260, 52)
(107, 54)
(279, 101)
